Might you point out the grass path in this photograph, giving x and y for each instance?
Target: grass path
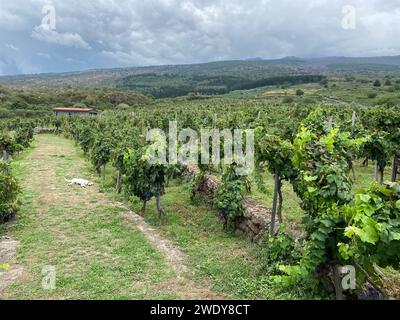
(99, 249)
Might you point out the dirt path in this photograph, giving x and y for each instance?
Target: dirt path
(9, 270)
(86, 235)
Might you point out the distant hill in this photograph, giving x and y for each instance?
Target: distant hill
(212, 77)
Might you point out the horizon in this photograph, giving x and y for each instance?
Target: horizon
(259, 59)
(43, 36)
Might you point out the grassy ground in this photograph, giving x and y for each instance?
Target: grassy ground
(233, 264)
(78, 231)
(98, 256)
(338, 92)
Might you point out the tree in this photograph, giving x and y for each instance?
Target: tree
(18, 104)
(324, 82)
(323, 185)
(377, 83)
(276, 155)
(85, 138)
(230, 195)
(388, 82)
(299, 92)
(143, 178)
(101, 153)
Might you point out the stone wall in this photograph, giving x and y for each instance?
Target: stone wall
(256, 216)
(256, 220)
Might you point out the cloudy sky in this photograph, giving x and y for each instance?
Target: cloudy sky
(65, 35)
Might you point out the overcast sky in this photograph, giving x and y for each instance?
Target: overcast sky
(64, 35)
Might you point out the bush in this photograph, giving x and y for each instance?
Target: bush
(8, 193)
(390, 89)
(123, 106)
(372, 95)
(388, 82)
(299, 92)
(324, 82)
(17, 104)
(281, 249)
(229, 195)
(309, 101)
(287, 100)
(377, 83)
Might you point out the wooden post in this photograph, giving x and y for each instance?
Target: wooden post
(215, 121)
(280, 202)
(159, 207)
(376, 171)
(5, 155)
(353, 121)
(118, 185)
(274, 204)
(395, 168)
(329, 125)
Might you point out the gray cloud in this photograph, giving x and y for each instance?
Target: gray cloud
(137, 32)
(64, 39)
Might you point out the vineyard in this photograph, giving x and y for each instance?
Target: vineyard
(310, 156)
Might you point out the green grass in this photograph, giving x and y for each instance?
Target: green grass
(96, 254)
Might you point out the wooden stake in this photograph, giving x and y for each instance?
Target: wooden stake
(353, 120)
(274, 205)
(395, 168)
(376, 171)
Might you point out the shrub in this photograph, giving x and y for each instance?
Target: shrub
(324, 82)
(372, 95)
(377, 83)
(299, 92)
(229, 195)
(390, 89)
(18, 104)
(8, 193)
(287, 100)
(281, 249)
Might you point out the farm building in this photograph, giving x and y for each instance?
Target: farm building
(74, 111)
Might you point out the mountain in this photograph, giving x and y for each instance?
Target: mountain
(251, 69)
(254, 59)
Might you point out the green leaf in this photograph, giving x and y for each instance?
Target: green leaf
(369, 235)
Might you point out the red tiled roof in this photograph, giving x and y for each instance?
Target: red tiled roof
(73, 109)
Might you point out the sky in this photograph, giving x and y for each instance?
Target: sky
(41, 36)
